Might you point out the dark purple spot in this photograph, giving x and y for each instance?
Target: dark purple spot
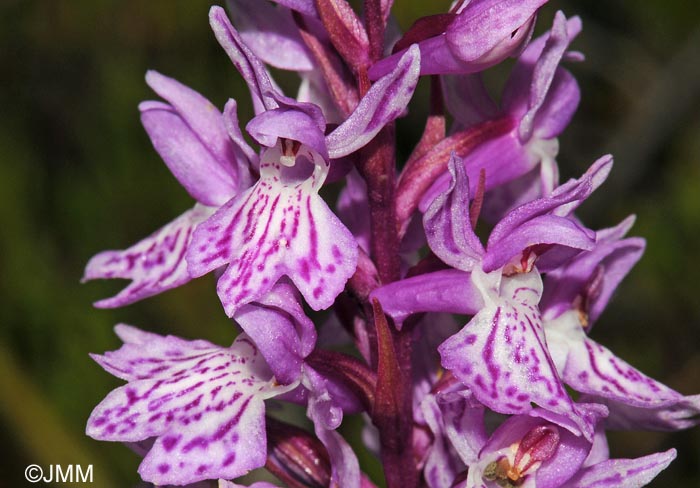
(229, 459)
(163, 468)
(169, 442)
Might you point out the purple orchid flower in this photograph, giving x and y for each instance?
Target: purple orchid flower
(576, 295)
(530, 452)
(203, 403)
(212, 164)
(502, 354)
(525, 450)
(473, 36)
(541, 97)
(281, 226)
(537, 232)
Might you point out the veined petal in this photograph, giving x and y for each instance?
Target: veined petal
(204, 404)
(271, 34)
(501, 355)
(250, 67)
(155, 264)
(384, 102)
(589, 367)
(281, 226)
(280, 329)
(447, 223)
(623, 473)
(450, 291)
(464, 427)
(209, 177)
(683, 414)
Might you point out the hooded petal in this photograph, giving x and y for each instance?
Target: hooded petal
(290, 123)
(271, 34)
(447, 223)
(561, 202)
(204, 404)
(155, 264)
(487, 31)
(543, 230)
(623, 473)
(384, 102)
(535, 452)
(501, 355)
(279, 227)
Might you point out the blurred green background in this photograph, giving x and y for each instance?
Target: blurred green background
(78, 175)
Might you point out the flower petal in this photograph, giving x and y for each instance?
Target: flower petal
(441, 467)
(561, 202)
(234, 132)
(501, 355)
(447, 223)
(204, 404)
(292, 124)
(353, 208)
(270, 33)
(209, 177)
(384, 102)
(623, 473)
(276, 228)
(683, 414)
(250, 67)
(155, 264)
(280, 329)
(545, 229)
(529, 85)
(589, 367)
(450, 291)
(484, 32)
(607, 265)
(467, 99)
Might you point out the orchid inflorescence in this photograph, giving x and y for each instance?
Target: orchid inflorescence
(397, 259)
